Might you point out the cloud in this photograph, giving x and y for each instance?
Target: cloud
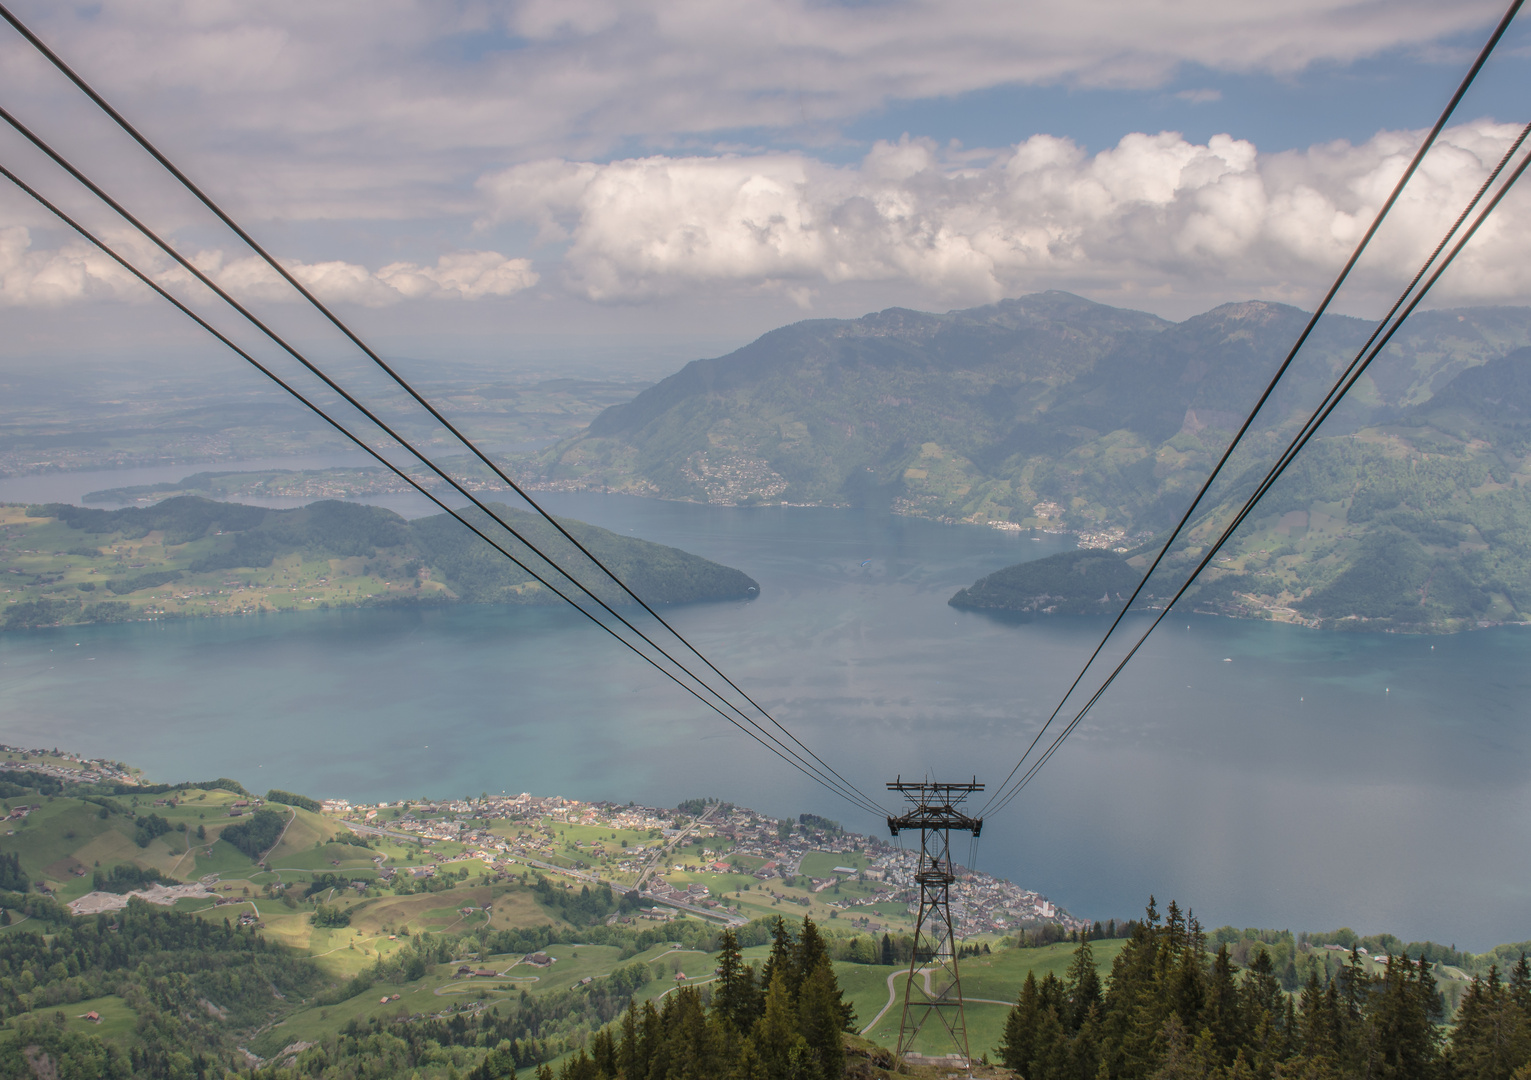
(1204, 96)
(462, 275)
(49, 278)
(76, 272)
(353, 109)
(1155, 212)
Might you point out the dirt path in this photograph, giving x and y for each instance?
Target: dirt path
(293, 816)
(925, 973)
(892, 997)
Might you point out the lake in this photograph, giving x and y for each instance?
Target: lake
(1261, 774)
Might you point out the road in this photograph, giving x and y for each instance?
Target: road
(657, 861)
(676, 839)
(893, 997)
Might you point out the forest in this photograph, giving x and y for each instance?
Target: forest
(1174, 1010)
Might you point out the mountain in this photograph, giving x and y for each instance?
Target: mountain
(1423, 523)
(1053, 413)
(194, 556)
(1047, 411)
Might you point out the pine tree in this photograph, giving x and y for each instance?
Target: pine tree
(1017, 1049)
(695, 1053)
(780, 960)
(1085, 1058)
(1186, 1056)
(579, 1067)
(748, 1064)
(1081, 985)
(1136, 1003)
(603, 1053)
(628, 1051)
(736, 998)
(1263, 1011)
(1520, 985)
(809, 952)
(650, 1042)
(780, 1047)
(1187, 985)
(1221, 1013)
(821, 1019)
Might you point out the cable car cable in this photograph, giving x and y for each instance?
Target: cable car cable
(868, 804)
(185, 310)
(169, 166)
(1302, 338)
(1333, 400)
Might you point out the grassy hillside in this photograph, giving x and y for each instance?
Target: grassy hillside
(333, 952)
(192, 556)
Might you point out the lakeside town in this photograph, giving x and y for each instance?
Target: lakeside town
(695, 858)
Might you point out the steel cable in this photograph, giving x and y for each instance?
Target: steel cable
(867, 804)
(1332, 400)
(207, 201)
(1344, 273)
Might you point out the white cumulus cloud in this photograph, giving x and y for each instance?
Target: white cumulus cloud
(353, 109)
(76, 272)
(461, 275)
(1155, 212)
(73, 272)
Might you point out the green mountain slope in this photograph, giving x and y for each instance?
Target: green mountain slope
(193, 556)
(1423, 523)
(1048, 411)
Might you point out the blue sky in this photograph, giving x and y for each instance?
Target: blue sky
(469, 172)
(1353, 101)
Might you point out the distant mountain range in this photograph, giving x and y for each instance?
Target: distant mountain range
(1051, 412)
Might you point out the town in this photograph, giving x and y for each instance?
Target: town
(692, 857)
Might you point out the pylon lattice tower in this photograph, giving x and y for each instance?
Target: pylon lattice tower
(934, 986)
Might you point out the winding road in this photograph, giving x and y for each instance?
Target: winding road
(893, 997)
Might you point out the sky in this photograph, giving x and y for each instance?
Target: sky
(638, 183)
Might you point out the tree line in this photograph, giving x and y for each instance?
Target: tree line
(164, 965)
(784, 1024)
(1174, 1010)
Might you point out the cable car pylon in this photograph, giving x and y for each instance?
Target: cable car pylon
(934, 986)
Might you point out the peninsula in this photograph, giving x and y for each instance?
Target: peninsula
(189, 556)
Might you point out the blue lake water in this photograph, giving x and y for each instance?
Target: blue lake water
(1264, 775)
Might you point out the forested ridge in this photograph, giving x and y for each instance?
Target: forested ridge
(1174, 1010)
(1043, 410)
(193, 983)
